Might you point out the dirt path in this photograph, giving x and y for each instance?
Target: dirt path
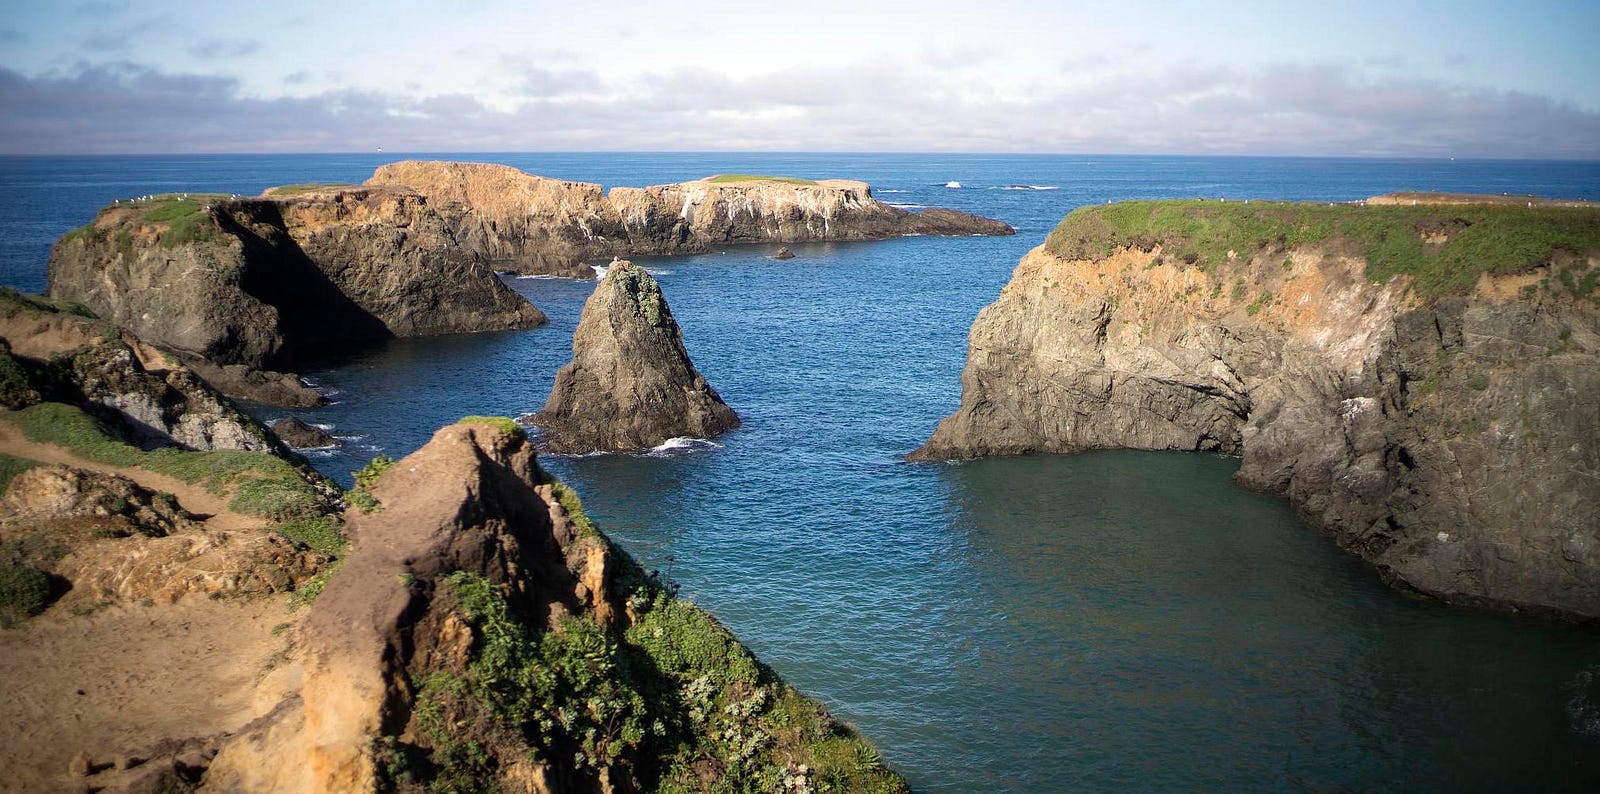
(191, 496)
(115, 682)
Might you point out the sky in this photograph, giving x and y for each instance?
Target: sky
(1351, 78)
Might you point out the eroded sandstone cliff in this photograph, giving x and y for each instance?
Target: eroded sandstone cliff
(483, 635)
(276, 282)
(630, 385)
(531, 224)
(1421, 382)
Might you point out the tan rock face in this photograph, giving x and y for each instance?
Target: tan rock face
(530, 224)
(630, 384)
(1452, 445)
(274, 282)
(471, 500)
(74, 359)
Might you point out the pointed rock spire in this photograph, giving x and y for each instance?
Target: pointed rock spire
(630, 385)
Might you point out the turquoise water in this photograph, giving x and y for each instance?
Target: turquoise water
(1096, 622)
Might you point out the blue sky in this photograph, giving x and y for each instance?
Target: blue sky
(1431, 79)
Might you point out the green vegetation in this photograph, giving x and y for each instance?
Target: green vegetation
(673, 702)
(12, 301)
(569, 500)
(16, 387)
(259, 483)
(10, 467)
(24, 592)
(305, 187)
(1444, 249)
(360, 497)
(502, 423)
(318, 533)
(307, 592)
(787, 180)
(188, 217)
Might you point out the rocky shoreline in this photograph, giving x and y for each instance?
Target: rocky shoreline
(1432, 405)
(220, 617)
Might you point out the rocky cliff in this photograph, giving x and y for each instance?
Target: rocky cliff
(630, 384)
(482, 635)
(1423, 382)
(49, 353)
(274, 283)
(531, 224)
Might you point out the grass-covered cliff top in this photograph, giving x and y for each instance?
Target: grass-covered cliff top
(186, 216)
(283, 191)
(788, 180)
(1444, 249)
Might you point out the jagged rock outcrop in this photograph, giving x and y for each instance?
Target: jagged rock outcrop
(474, 638)
(299, 435)
(1443, 423)
(630, 384)
(73, 359)
(531, 224)
(276, 282)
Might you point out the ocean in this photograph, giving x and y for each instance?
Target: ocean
(1107, 621)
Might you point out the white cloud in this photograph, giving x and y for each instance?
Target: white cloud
(874, 104)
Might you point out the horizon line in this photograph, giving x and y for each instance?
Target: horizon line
(829, 152)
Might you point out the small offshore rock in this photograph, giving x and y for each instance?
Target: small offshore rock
(300, 435)
(783, 253)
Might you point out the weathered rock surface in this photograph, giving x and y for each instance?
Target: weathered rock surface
(73, 359)
(122, 542)
(276, 282)
(1453, 442)
(396, 655)
(471, 500)
(630, 384)
(299, 435)
(531, 224)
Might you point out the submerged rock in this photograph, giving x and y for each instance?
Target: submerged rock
(299, 435)
(1442, 423)
(630, 385)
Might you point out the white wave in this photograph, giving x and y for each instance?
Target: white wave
(892, 191)
(905, 205)
(536, 276)
(680, 446)
(658, 271)
(1028, 187)
(600, 270)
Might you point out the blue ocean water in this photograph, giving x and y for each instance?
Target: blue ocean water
(1105, 621)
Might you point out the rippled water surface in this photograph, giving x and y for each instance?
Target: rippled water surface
(1093, 622)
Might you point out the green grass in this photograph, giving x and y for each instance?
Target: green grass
(12, 301)
(360, 497)
(318, 533)
(574, 507)
(671, 703)
(787, 180)
(187, 218)
(259, 483)
(10, 467)
(304, 187)
(1482, 239)
(502, 423)
(24, 592)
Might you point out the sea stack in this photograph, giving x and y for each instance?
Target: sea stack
(630, 385)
